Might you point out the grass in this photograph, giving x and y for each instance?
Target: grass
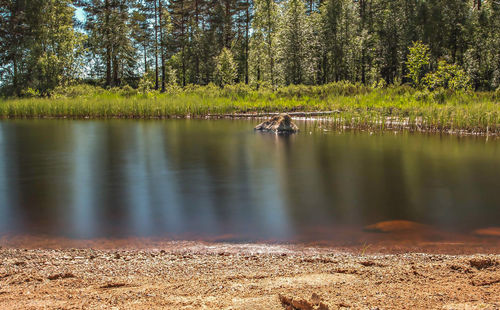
(357, 106)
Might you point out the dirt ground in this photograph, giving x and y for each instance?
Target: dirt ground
(195, 275)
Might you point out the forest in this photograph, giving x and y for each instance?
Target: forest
(157, 44)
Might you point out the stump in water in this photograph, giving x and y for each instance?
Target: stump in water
(280, 123)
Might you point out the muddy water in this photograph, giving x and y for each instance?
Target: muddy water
(194, 179)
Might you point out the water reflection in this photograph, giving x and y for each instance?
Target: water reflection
(192, 178)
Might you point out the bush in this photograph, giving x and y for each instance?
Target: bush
(418, 60)
(31, 93)
(79, 90)
(497, 93)
(240, 90)
(422, 95)
(146, 84)
(448, 76)
(127, 91)
(402, 89)
(343, 88)
(439, 96)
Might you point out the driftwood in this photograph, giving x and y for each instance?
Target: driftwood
(297, 114)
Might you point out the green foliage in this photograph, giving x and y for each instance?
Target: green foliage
(226, 70)
(292, 38)
(448, 76)
(262, 55)
(31, 93)
(127, 91)
(76, 91)
(417, 61)
(146, 83)
(496, 94)
(38, 45)
(422, 95)
(273, 43)
(240, 90)
(438, 96)
(356, 106)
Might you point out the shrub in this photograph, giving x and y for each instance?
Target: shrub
(448, 76)
(240, 90)
(31, 93)
(146, 84)
(127, 91)
(73, 91)
(417, 61)
(497, 93)
(422, 95)
(438, 96)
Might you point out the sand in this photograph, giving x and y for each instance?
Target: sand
(196, 275)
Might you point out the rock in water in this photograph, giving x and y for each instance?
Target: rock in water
(394, 226)
(488, 232)
(280, 123)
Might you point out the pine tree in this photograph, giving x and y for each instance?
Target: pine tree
(108, 28)
(39, 44)
(180, 12)
(165, 25)
(263, 42)
(493, 45)
(339, 59)
(13, 32)
(241, 41)
(272, 42)
(388, 50)
(141, 30)
(292, 39)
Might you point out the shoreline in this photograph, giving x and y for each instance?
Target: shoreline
(345, 105)
(380, 243)
(333, 124)
(251, 276)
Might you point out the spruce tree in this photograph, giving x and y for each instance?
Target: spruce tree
(226, 72)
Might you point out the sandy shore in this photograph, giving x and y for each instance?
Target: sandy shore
(191, 275)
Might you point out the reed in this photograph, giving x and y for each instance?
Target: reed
(356, 106)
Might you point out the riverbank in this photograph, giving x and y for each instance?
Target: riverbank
(195, 275)
(349, 106)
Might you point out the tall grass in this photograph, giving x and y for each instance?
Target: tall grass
(355, 106)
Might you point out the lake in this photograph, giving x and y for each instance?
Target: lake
(202, 179)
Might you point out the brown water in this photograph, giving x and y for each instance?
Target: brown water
(199, 179)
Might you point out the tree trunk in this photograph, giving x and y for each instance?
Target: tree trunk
(116, 81)
(197, 56)
(227, 24)
(183, 23)
(258, 77)
(156, 45)
(108, 45)
(270, 42)
(145, 60)
(247, 29)
(14, 78)
(162, 51)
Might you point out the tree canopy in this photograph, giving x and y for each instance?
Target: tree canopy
(257, 42)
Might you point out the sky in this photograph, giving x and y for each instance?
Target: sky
(79, 14)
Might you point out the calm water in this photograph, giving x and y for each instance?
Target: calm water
(178, 178)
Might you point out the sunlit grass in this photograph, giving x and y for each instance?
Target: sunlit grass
(355, 106)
